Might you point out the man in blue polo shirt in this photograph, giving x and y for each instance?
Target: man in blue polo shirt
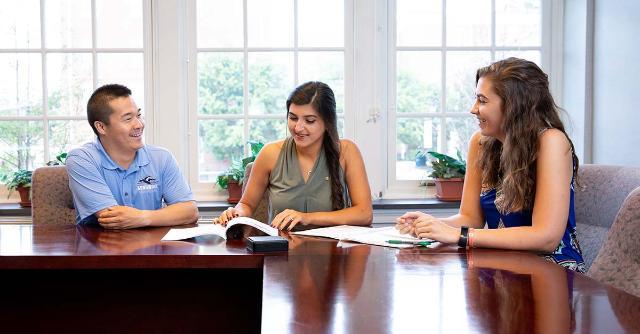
(119, 182)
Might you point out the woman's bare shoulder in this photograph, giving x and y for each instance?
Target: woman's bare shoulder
(476, 137)
(270, 152)
(347, 144)
(553, 138)
(274, 146)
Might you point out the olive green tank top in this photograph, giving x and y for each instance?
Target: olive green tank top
(287, 189)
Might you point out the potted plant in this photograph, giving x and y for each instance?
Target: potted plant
(19, 180)
(448, 174)
(233, 177)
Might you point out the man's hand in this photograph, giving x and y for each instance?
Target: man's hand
(122, 217)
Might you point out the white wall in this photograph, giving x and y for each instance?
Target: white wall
(573, 88)
(616, 74)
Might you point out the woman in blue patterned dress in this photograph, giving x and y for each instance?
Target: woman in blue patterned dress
(521, 170)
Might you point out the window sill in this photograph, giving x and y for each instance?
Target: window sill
(210, 207)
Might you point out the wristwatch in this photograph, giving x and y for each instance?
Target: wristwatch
(464, 236)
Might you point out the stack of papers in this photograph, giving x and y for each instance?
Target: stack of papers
(380, 236)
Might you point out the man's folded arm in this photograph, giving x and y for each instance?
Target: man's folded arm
(88, 188)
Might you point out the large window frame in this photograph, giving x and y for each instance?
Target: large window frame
(548, 51)
(210, 191)
(94, 51)
(170, 55)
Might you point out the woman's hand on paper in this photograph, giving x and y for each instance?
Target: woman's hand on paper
(287, 219)
(227, 215)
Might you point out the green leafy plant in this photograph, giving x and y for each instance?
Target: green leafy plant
(235, 172)
(19, 178)
(447, 167)
(61, 159)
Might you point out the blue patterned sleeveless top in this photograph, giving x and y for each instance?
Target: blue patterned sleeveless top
(567, 254)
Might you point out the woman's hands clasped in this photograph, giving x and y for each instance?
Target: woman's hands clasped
(425, 226)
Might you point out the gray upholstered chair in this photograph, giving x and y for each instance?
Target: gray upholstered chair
(618, 262)
(597, 204)
(260, 213)
(51, 199)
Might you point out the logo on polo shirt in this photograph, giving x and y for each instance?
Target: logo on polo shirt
(147, 183)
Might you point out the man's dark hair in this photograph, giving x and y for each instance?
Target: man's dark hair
(98, 108)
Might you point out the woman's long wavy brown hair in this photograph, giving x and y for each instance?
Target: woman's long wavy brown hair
(321, 98)
(528, 108)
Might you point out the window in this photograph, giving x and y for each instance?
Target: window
(250, 54)
(222, 70)
(437, 46)
(51, 59)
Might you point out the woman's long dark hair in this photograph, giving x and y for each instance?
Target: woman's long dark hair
(321, 98)
(528, 108)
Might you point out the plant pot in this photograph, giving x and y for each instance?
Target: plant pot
(449, 190)
(235, 192)
(25, 196)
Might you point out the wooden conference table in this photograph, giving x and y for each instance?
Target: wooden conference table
(79, 279)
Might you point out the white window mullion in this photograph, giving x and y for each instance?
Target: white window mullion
(392, 100)
(94, 44)
(442, 145)
(350, 113)
(45, 104)
(295, 43)
(147, 51)
(493, 30)
(245, 78)
(192, 96)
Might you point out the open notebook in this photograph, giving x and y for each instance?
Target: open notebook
(379, 236)
(232, 231)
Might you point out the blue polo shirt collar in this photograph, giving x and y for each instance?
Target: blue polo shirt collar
(141, 159)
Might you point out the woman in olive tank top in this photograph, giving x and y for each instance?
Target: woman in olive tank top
(313, 178)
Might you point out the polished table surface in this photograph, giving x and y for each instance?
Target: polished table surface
(323, 286)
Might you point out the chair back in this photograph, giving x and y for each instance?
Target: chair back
(618, 262)
(598, 202)
(260, 213)
(51, 199)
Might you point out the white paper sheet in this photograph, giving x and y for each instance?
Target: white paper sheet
(192, 232)
(373, 236)
(254, 223)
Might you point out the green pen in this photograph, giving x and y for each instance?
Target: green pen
(424, 243)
